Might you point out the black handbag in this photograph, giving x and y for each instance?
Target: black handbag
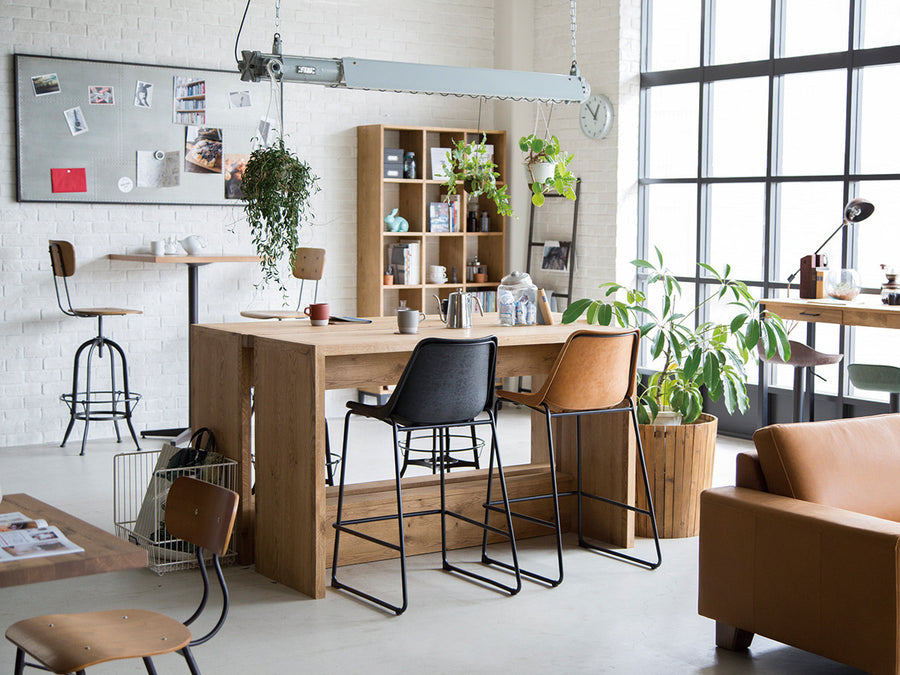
(201, 444)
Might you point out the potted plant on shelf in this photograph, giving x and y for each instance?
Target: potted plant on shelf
(277, 187)
(471, 165)
(548, 168)
(711, 355)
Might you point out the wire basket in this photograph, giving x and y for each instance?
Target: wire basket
(139, 493)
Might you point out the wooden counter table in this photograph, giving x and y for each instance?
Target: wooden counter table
(290, 364)
(103, 552)
(865, 310)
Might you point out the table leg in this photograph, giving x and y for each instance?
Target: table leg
(290, 465)
(193, 293)
(221, 375)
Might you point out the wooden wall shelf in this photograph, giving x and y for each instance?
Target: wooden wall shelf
(377, 196)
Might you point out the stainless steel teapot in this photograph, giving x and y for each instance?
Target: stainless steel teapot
(456, 310)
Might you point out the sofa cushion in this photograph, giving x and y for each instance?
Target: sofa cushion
(851, 464)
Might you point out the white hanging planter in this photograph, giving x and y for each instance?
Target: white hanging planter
(541, 172)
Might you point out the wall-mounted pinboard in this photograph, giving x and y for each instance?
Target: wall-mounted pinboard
(99, 131)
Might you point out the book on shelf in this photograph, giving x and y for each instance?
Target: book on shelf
(22, 537)
(488, 300)
(405, 258)
(438, 217)
(454, 212)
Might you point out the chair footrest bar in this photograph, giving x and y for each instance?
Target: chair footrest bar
(362, 594)
(619, 554)
(476, 523)
(512, 590)
(523, 516)
(613, 502)
(525, 573)
(363, 535)
(390, 516)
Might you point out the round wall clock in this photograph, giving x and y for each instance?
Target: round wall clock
(596, 116)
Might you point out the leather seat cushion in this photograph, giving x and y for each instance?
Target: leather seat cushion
(851, 464)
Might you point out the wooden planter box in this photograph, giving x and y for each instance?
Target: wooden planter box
(680, 466)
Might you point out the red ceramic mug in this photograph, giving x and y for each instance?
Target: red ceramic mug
(317, 313)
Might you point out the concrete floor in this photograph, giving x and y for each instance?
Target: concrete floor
(607, 616)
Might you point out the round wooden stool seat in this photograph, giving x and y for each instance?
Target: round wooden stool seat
(104, 311)
(274, 314)
(66, 643)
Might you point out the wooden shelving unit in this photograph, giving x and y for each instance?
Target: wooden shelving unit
(377, 196)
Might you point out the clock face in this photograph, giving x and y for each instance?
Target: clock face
(595, 116)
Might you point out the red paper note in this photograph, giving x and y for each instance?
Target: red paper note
(68, 180)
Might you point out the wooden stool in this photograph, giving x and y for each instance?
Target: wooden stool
(88, 404)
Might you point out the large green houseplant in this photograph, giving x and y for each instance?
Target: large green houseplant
(710, 354)
(277, 187)
(471, 165)
(548, 168)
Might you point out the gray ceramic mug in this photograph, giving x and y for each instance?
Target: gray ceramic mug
(408, 320)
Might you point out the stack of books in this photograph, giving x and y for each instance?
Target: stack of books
(405, 259)
(444, 216)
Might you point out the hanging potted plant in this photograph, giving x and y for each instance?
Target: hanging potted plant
(470, 164)
(277, 187)
(710, 356)
(548, 168)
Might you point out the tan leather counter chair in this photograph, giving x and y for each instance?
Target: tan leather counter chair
(86, 402)
(805, 549)
(594, 373)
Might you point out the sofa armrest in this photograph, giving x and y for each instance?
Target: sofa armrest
(816, 577)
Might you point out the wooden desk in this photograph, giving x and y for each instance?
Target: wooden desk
(290, 365)
(103, 552)
(865, 310)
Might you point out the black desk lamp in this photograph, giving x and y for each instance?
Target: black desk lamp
(856, 210)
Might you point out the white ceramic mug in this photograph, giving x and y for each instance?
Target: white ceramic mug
(158, 247)
(408, 320)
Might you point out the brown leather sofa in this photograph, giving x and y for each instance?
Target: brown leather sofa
(805, 549)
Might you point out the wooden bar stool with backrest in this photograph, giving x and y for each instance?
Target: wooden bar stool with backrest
(595, 373)
(876, 377)
(199, 513)
(89, 404)
(446, 384)
(308, 264)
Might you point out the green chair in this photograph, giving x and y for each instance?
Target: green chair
(873, 377)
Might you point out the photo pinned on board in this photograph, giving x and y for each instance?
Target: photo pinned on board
(75, 120)
(143, 94)
(45, 84)
(100, 95)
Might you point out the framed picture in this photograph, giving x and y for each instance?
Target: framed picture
(556, 256)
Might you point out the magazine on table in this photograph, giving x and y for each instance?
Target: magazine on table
(22, 537)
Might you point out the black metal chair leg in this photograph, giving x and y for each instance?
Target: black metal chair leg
(20, 662)
(73, 408)
(126, 391)
(329, 472)
(148, 664)
(474, 447)
(649, 511)
(87, 396)
(191, 663)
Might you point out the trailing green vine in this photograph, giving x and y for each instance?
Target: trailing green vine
(277, 187)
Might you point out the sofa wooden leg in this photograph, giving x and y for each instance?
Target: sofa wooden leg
(731, 638)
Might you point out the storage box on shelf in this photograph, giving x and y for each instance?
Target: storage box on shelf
(452, 248)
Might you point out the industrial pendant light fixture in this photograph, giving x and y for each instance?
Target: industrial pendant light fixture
(417, 78)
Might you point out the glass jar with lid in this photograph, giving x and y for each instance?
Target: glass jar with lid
(517, 300)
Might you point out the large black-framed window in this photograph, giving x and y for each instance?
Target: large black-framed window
(759, 121)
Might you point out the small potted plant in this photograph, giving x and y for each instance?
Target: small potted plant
(470, 164)
(548, 168)
(277, 187)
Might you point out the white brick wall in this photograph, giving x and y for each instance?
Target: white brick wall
(39, 342)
